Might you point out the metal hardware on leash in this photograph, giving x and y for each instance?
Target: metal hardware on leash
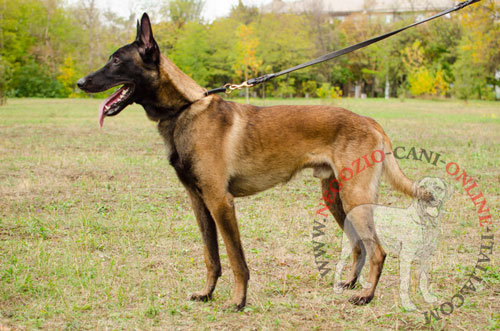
(231, 87)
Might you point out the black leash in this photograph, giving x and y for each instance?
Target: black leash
(228, 88)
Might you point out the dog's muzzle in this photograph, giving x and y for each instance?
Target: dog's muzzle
(81, 82)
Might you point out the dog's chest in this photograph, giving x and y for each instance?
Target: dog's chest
(182, 164)
(166, 132)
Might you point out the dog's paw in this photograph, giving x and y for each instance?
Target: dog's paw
(360, 300)
(233, 307)
(338, 288)
(409, 306)
(429, 298)
(200, 296)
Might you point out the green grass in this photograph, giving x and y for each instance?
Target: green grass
(96, 232)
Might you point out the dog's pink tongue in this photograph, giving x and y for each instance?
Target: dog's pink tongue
(101, 113)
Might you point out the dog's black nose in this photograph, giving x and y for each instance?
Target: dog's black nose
(81, 82)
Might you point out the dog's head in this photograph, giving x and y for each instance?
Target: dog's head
(133, 66)
(440, 191)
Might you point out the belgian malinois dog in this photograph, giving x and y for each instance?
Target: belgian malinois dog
(221, 150)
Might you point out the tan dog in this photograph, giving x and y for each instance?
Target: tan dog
(221, 150)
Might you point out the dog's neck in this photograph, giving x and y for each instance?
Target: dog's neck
(175, 92)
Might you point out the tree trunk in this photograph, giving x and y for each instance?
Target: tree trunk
(357, 90)
(246, 88)
(387, 91)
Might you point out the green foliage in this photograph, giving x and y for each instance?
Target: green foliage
(308, 88)
(478, 56)
(3, 81)
(35, 80)
(222, 38)
(244, 14)
(191, 52)
(287, 41)
(182, 11)
(471, 80)
(58, 44)
(285, 88)
(328, 92)
(422, 79)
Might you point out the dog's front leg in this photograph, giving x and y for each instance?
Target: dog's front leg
(221, 207)
(425, 262)
(405, 260)
(210, 246)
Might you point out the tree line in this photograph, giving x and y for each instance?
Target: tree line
(46, 45)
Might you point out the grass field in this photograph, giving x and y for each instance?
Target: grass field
(96, 231)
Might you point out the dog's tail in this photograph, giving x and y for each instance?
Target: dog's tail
(395, 175)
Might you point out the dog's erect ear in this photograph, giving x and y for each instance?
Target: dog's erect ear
(148, 47)
(138, 31)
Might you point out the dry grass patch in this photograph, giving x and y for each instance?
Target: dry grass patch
(96, 231)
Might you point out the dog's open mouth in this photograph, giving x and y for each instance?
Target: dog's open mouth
(116, 102)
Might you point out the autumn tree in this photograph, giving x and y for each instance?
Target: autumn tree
(478, 52)
(246, 60)
(45, 45)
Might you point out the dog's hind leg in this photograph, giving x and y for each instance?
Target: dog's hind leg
(359, 195)
(360, 228)
(330, 193)
(376, 256)
(210, 246)
(358, 261)
(357, 265)
(363, 230)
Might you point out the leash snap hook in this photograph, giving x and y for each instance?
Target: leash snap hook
(231, 87)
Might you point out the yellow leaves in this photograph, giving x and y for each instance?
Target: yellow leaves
(424, 82)
(67, 75)
(482, 32)
(440, 85)
(245, 50)
(326, 91)
(420, 81)
(413, 55)
(67, 71)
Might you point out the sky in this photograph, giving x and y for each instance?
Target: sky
(212, 9)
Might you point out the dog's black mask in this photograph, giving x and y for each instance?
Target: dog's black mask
(133, 66)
